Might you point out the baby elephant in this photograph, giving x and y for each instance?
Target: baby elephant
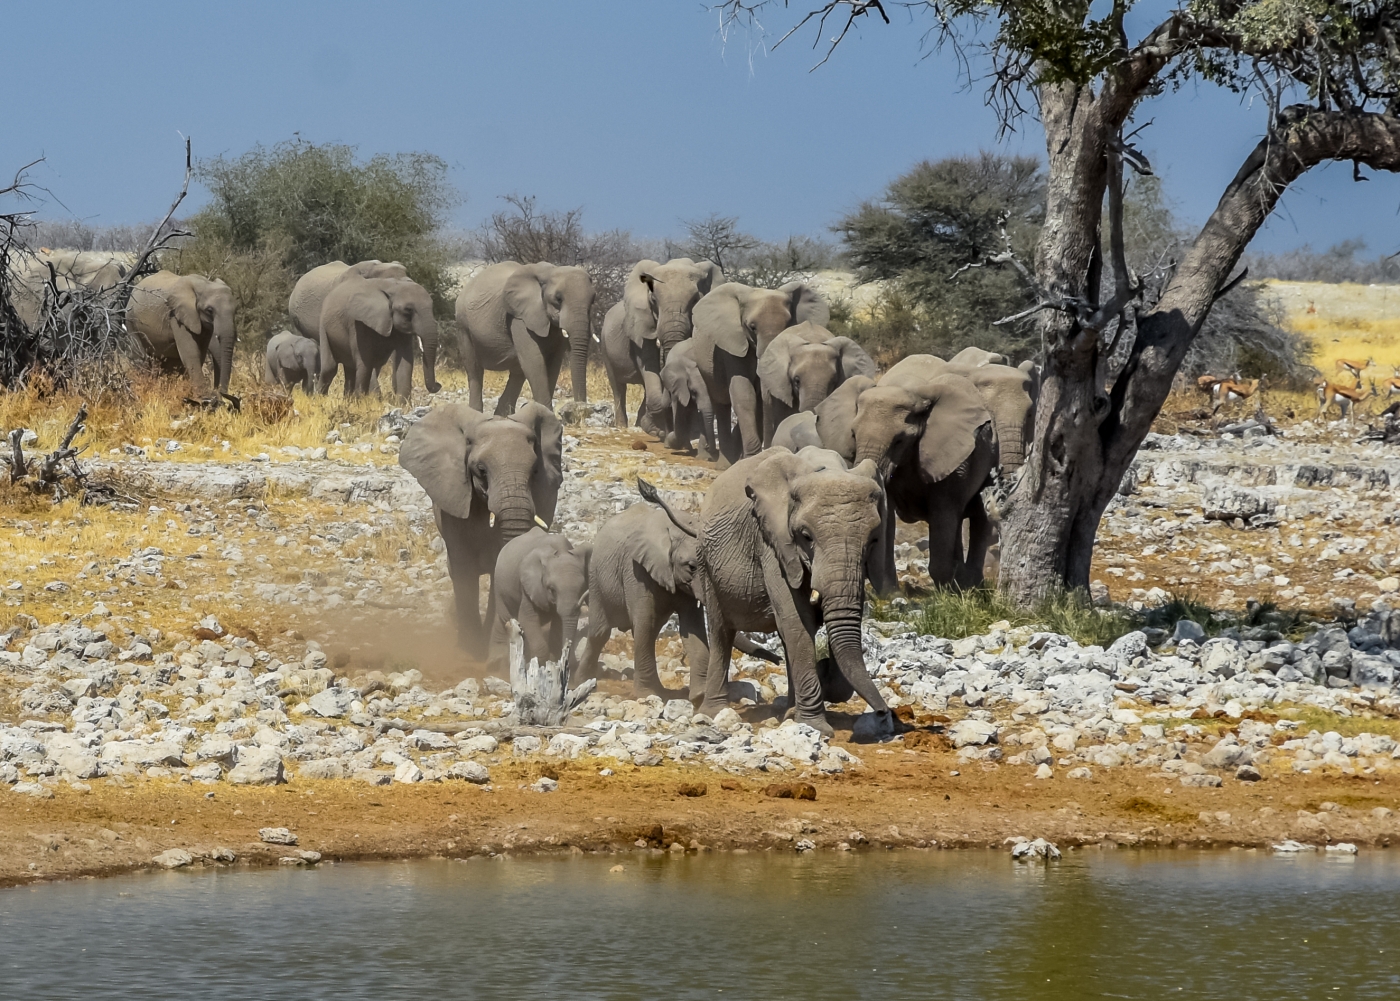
(293, 359)
(541, 581)
(691, 413)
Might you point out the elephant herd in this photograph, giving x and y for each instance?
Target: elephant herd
(819, 453)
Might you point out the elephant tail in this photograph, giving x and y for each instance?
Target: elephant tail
(683, 521)
(746, 644)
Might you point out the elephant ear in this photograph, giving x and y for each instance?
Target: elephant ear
(950, 434)
(836, 416)
(525, 301)
(807, 304)
(854, 360)
(675, 376)
(773, 367)
(719, 315)
(770, 490)
(367, 303)
(639, 317)
(653, 552)
(183, 304)
(549, 452)
(436, 452)
(713, 277)
(532, 578)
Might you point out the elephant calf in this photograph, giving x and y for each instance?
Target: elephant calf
(292, 359)
(691, 412)
(802, 367)
(541, 581)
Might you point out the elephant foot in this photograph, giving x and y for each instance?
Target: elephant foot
(712, 707)
(722, 462)
(816, 720)
(641, 689)
(704, 454)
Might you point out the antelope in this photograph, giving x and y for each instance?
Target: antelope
(1207, 383)
(1345, 397)
(1233, 390)
(1354, 367)
(1392, 385)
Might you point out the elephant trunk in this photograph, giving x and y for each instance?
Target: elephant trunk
(569, 634)
(224, 337)
(671, 329)
(842, 615)
(1011, 447)
(577, 321)
(810, 396)
(428, 336)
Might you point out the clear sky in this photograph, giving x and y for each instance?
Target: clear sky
(636, 110)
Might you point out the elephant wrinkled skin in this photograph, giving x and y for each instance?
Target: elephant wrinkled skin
(490, 479)
(524, 319)
(689, 400)
(291, 360)
(783, 541)
(802, 367)
(184, 320)
(311, 289)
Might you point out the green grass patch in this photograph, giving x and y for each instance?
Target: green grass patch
(955, 614)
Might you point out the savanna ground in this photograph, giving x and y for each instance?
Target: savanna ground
(909, 793)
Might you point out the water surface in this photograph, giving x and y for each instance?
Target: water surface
(958, 925)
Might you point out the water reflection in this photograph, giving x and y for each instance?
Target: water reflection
(951, 925)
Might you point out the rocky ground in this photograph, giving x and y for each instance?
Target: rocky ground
(259, 641)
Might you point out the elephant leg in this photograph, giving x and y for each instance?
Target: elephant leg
(619, 395)
(653, 417)
(729, 446)
(744, 399)
(553, 363)
(505, 406)
(498, 646)
(329, 368)
(641, 607)
(945, 551)
(800, 652)
(365, 380)
(192, 358)
(697, 650)
(464, 567)
(586, 661)
(979, 540)
(530, 358)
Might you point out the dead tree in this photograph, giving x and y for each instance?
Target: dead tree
(541, 691)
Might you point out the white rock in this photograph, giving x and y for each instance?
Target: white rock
(973, 731)
(408, 772)
(525, 744)
(1044, 771)
(544, 784)
(481, 744)
(210, 771)
(1126, 717)
(794, 740)
(469, 771)
(1343, 848)
(1079, 773)
(257, 766)
(321, 768)
(277, 836)
(333, 702)
(1029, 851)
(566, 745)
(173, 858)
(32, 789)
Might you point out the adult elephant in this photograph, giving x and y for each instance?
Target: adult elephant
(540, 581)
(290, 360)
(491, 479)
(1009, 394)
(311, 289)
(783, 542)
(524, 319)
(185, 320)
(639, 331)
(935, 443)
(734, 325)
(43, 273)
(366, 322)
(802, 367)
(974, 356)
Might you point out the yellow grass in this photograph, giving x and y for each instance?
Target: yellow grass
(1346, 321)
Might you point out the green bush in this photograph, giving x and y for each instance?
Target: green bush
(955, 614)
(278, 212)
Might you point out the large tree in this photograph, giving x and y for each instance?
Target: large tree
(1337, 61)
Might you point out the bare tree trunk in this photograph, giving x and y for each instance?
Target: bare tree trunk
(1087, 433)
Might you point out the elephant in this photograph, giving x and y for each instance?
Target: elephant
(365, 322)
(311, 289)
(541, 581)
(490, 480)
(653, 316)
(1009, 394)
(183, 320)
(935, 442)
(975, 356)
(523, 319)
(782, 543)
(45, 272)
(734, 325)
(291, 359)
(691, 411)
(801, 368)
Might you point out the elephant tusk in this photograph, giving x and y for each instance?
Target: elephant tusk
(816, 596)
(542, 523)
(596, 340)
(563, 331)
(491, 519)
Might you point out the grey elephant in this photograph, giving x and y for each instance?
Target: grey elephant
(540, 581)
(292, 360)
(524, 319)
(491, 479)
(1009, 394)
(935, 444)
(734, 325)
(691, 412)
(975, 356)
(311, 289)
(367, 322)
(44, 274)
(802, 367)
(782, 544)
(185, 320)
(653, 316)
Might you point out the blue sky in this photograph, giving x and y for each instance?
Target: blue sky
(637, 110)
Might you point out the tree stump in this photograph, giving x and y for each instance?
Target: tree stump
(541, 691)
